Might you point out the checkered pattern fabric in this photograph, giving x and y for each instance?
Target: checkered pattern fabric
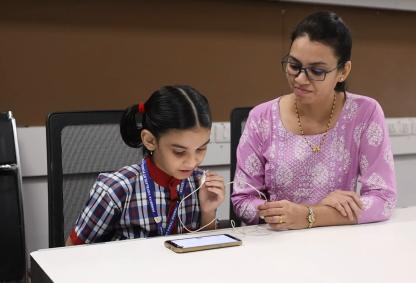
(118, 208)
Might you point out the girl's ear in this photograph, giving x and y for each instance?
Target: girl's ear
(148, 139)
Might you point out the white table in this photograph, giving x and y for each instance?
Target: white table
(378, 252)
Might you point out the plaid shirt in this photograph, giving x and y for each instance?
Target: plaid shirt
(118, 207)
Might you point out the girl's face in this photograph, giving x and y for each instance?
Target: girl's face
(178, 152)
(319, 61)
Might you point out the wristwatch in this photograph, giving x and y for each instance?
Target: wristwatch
(310, 217)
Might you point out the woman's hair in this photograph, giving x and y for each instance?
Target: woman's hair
(170, 107)
(327, 28)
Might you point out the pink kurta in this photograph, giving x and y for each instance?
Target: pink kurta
(283, 166)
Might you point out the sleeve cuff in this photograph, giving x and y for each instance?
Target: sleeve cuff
(74, 238)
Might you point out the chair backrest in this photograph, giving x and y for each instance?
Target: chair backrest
(80, 145)
(12, 236)
(237, 122)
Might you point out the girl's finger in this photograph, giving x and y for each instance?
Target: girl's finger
(217, 184)
(215, 179)
(215, 190)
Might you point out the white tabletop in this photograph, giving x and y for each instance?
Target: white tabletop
(377, 252)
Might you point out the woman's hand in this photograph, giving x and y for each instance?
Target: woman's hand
(212, 193)
(347, 203)
(283, 215)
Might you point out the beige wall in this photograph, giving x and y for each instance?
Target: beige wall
(70, 56)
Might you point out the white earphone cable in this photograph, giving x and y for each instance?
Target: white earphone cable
(202, 181)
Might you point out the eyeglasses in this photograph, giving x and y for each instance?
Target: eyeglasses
(293, 68)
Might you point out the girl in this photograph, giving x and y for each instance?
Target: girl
(143, 200)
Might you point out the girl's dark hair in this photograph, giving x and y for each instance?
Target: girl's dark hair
(170, 107)
(327, 28)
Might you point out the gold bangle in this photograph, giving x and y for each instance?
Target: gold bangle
(311, 217)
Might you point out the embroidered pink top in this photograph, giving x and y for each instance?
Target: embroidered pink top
(282, 165)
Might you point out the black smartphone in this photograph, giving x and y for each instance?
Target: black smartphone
(202, 243)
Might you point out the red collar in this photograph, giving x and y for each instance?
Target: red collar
(161, 177)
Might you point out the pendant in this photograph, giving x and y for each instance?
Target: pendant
(316, 148)
(157, 219)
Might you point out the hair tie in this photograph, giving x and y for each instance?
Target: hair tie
(141, 107)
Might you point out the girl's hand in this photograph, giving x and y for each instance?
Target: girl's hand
(284, 214)
(212, 193)
(347, 203)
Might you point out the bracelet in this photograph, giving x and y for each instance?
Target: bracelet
(311, 217)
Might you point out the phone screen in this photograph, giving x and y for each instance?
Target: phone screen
(205, 241)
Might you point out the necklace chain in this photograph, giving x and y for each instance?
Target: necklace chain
(316, 148)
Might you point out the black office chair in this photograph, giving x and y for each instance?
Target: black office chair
(80, 145)
(237, 122)
(12, 236)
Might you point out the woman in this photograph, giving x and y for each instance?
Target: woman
(307, 150)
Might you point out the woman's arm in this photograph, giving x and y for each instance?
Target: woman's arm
(250, 168)
(284, 214)
(377, 197)
(329, 216)
(377, 176)
(375, 201)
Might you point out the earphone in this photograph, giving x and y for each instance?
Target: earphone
(202, 180)
(201, 183)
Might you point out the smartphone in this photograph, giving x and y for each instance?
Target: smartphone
(202, 243)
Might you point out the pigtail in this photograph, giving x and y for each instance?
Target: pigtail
(170, 107)
(130, 129)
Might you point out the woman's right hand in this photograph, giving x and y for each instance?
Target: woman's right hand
(347, 203)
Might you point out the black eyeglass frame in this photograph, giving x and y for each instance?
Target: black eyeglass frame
(285, 61)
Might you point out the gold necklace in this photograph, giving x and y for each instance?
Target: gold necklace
(316, 148)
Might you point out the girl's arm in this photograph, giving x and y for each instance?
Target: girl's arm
(100, 208)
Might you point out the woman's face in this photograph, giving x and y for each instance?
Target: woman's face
(320, 61)
(179, 152)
